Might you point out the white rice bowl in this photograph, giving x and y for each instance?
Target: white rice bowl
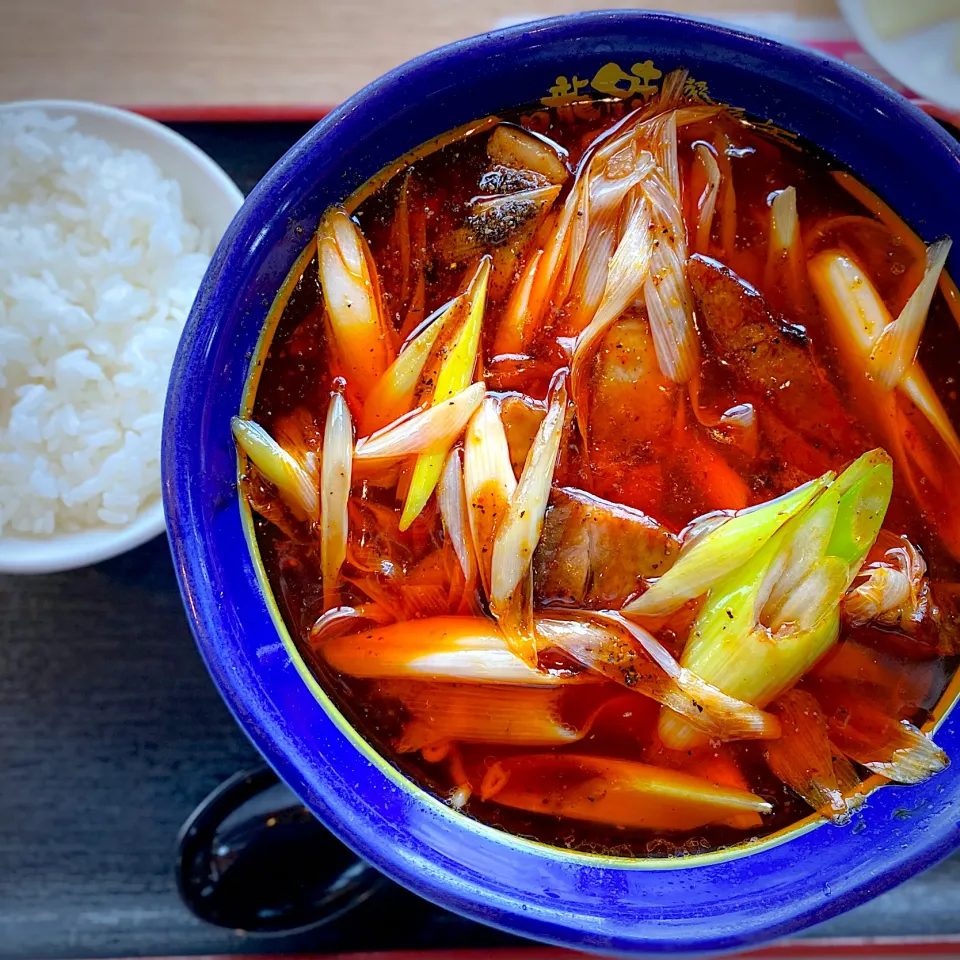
(98, 269)
(99, 266)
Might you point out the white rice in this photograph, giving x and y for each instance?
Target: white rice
(98, 270)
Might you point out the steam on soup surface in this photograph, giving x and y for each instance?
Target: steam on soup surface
(607, 479)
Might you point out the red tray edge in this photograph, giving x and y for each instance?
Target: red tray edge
(232, 113)
(311, 113)
(892, 948)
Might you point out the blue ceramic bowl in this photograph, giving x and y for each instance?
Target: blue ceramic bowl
(714, 902)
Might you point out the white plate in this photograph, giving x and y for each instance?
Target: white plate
(924, 61)
(210, 199)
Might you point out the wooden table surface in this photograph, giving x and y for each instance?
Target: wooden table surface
(277, 52)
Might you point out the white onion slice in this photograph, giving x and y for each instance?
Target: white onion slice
(436, 427)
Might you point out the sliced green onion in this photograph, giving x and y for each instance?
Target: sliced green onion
(808, 763)
(866, 485)
(453, 511)
(784, 222)
(621, 793)
(435, 428)
(456, 374)
(896, 347)
(768, 622)
(626, 654)
(489, 481)
(519, 531)
(628, 269)
(351, 295)
(297, 485)
(455, 649)
(707, 202)
(721, 551)
(894, 749)
(335, 478)
(670, 309)
(480, 713)
(393, 394)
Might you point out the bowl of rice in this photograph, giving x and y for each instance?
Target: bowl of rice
(107, 224)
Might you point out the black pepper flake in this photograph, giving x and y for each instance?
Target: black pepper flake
(497, 224)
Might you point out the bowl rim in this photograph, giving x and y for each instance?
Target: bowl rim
(440, 884)
(82, 548)
(71, 550)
